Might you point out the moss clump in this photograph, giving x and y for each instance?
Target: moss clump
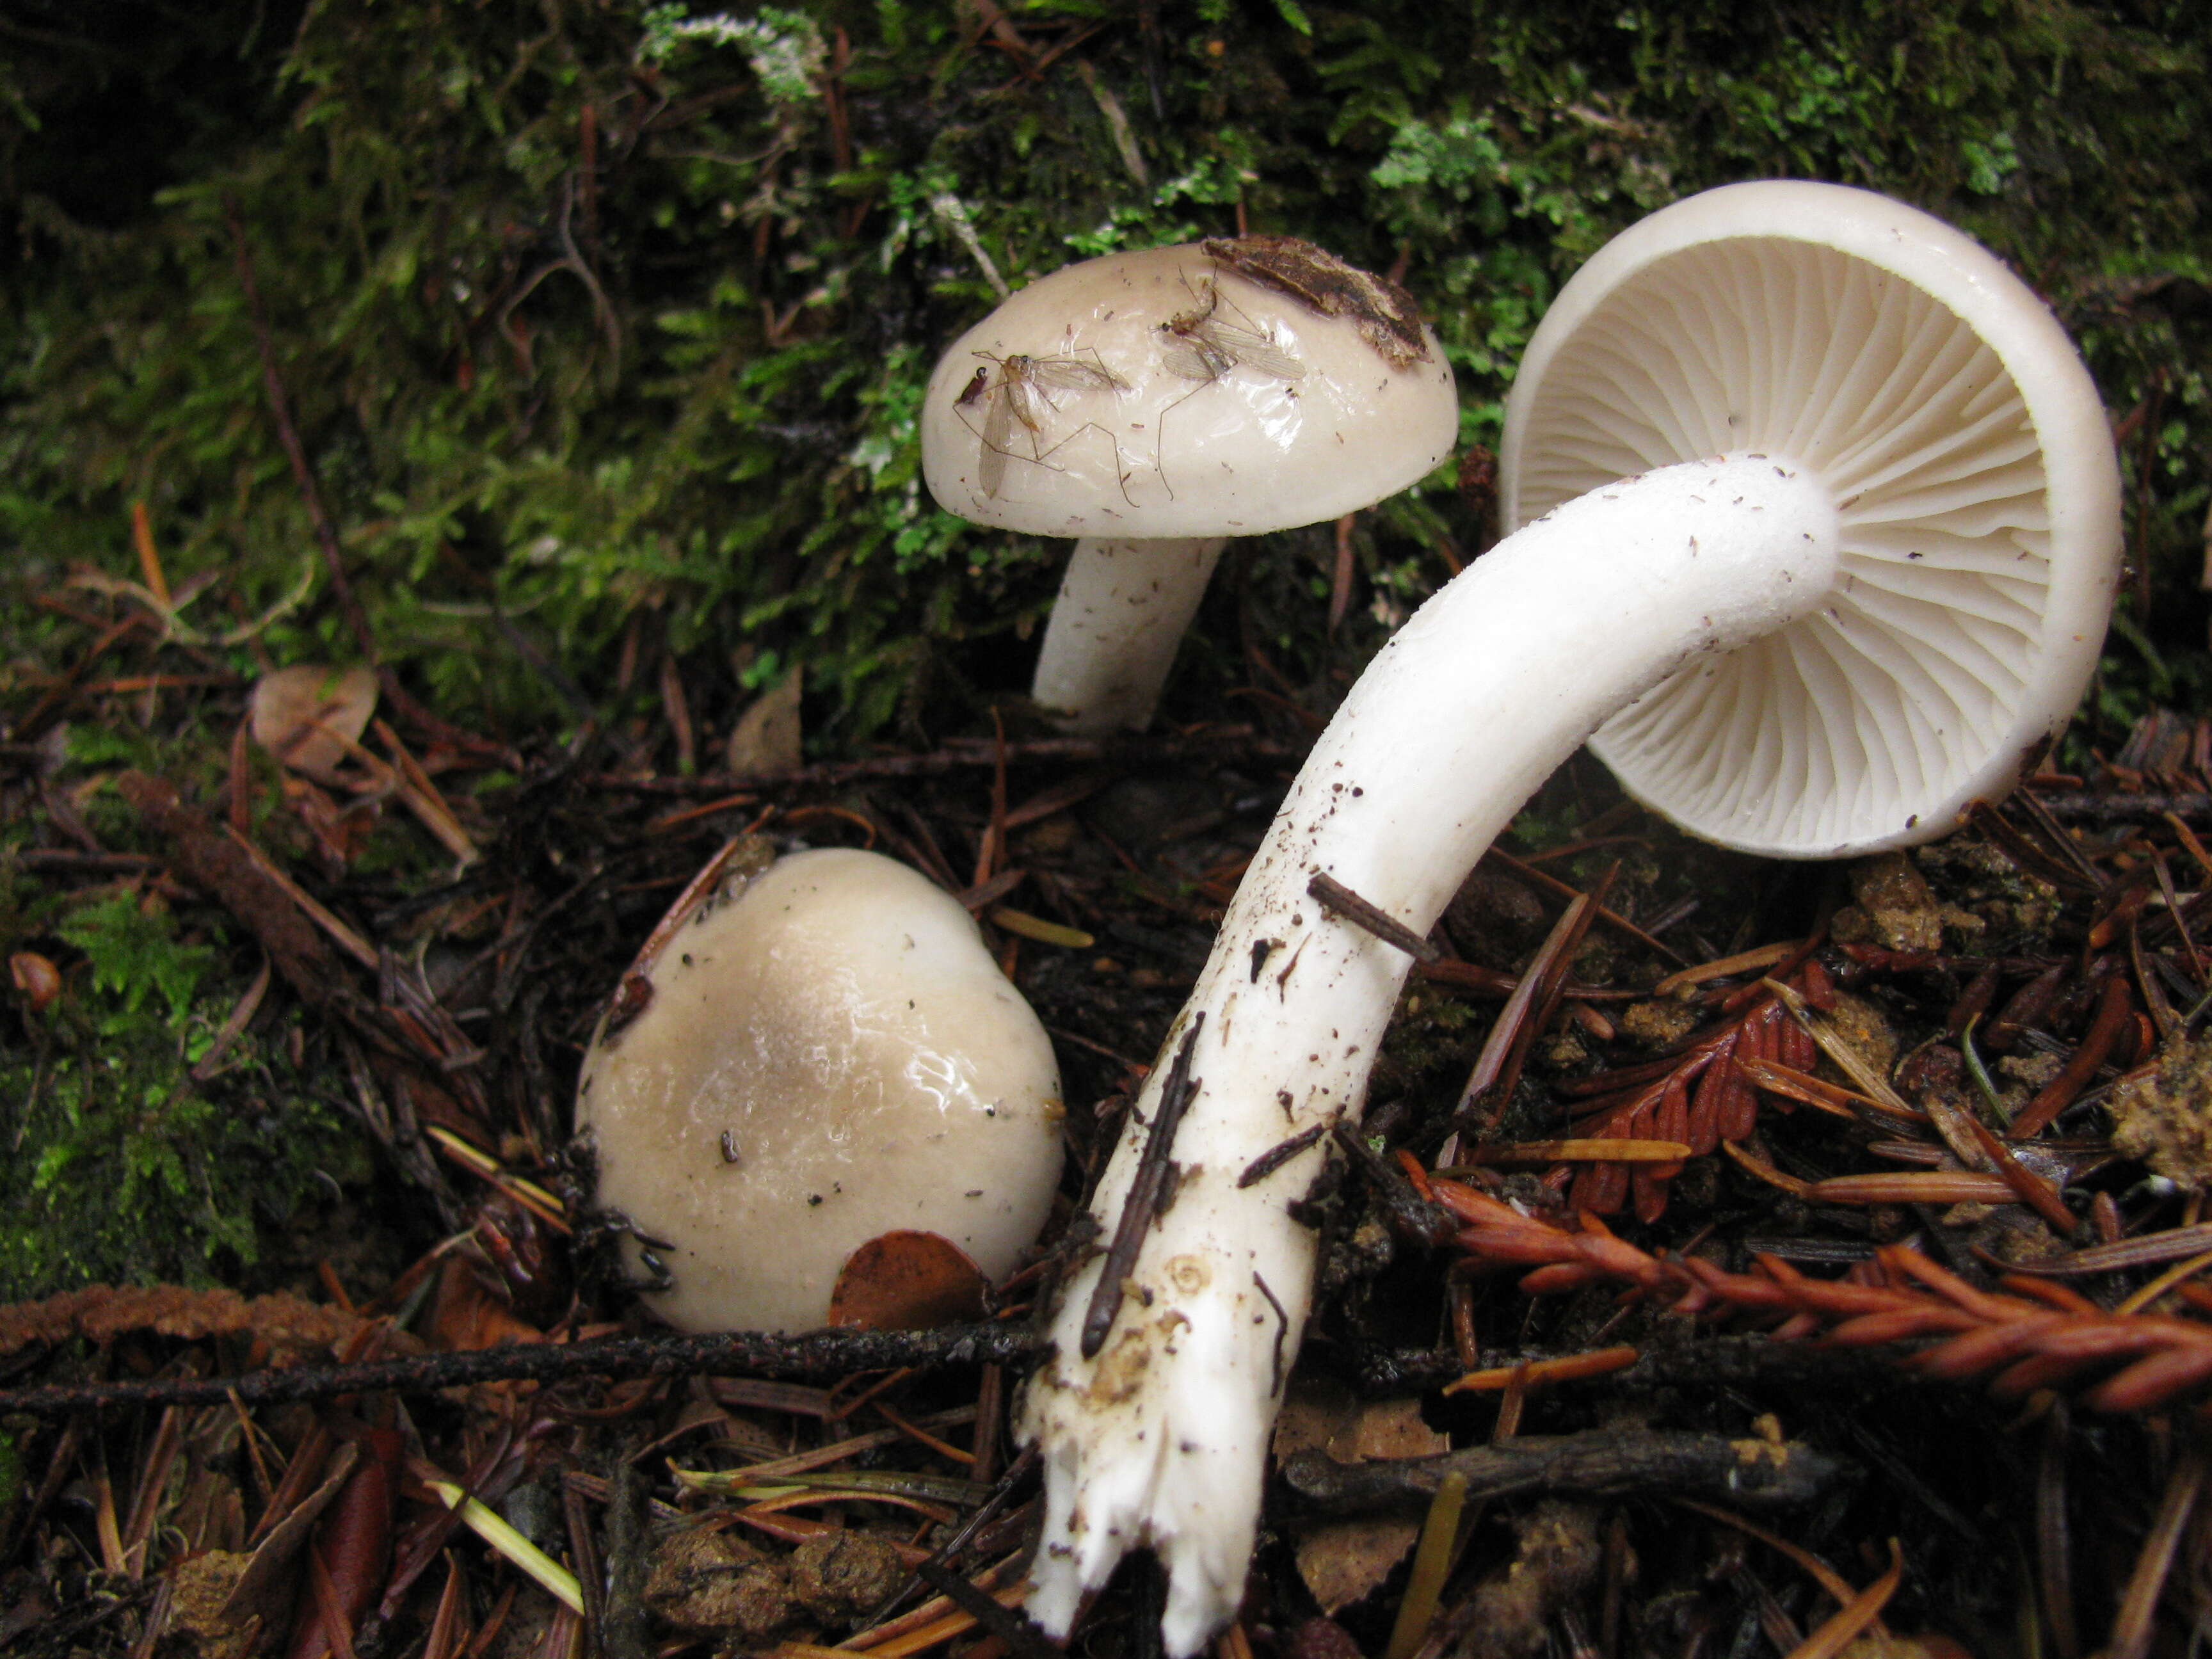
(129, 1168)
(605, 323)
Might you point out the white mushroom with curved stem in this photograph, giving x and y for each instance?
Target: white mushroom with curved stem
(1153, 404)
(1872, 604)
(806, 1058)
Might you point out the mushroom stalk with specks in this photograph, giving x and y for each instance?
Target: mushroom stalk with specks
(1125, 604)
(1868, 608)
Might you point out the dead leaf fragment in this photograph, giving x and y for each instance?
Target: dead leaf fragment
(1324, 1416)
(907, 1282)
(1342, 1561)
(260, 1596)
(36, 977)
(464, 1315)
(310, 716)
(1383, 313)
(766, 735)
(1388, 1428)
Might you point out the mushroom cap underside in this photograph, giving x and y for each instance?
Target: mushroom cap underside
(1972, 470)
(828, 1056)
(1262, 415)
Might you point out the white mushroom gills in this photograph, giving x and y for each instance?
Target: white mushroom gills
(1953, 433)
(828, 1055)
(1153, 479)
(1972, 465)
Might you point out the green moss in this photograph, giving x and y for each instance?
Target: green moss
(607, 316)
(11, 1470)
(127, 1168)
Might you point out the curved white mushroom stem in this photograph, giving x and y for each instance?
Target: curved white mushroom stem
(1123, 607)
(1159, 1437)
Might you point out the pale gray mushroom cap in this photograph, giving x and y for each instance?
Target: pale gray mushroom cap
(1248, 452)
(1972, 466)
(829, 1056)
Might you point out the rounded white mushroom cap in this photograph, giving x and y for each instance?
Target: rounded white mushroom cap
(826, 1056)
(1972, 465)
(1248, 451)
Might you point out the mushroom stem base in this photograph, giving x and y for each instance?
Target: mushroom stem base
(1161, 1439)
(1124, 604)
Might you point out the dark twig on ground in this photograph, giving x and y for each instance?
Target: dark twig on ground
(1237, 743)
(1019, 1634)
(1727, 1359)
(1597, 1463)
(2124, 809)
(834, 1353)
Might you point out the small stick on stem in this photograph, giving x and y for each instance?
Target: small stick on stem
(1359, 913)
(1144, 1200)
(1277, 1155)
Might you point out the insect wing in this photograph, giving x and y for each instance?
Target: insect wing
(1253, 350)
(1195, 363)
(1074, 374)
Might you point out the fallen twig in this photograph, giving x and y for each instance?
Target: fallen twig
(812, 1354)
(1597, 1463)
(1241, 744)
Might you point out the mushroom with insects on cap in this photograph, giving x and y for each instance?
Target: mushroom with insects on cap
(1154, 404)
(1829, 532)
(809, 1055)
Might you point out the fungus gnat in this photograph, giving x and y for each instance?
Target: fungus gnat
(1204, 347)
(1207, 348)
(1021, 393)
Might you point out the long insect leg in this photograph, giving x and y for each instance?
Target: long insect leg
(998, 427)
